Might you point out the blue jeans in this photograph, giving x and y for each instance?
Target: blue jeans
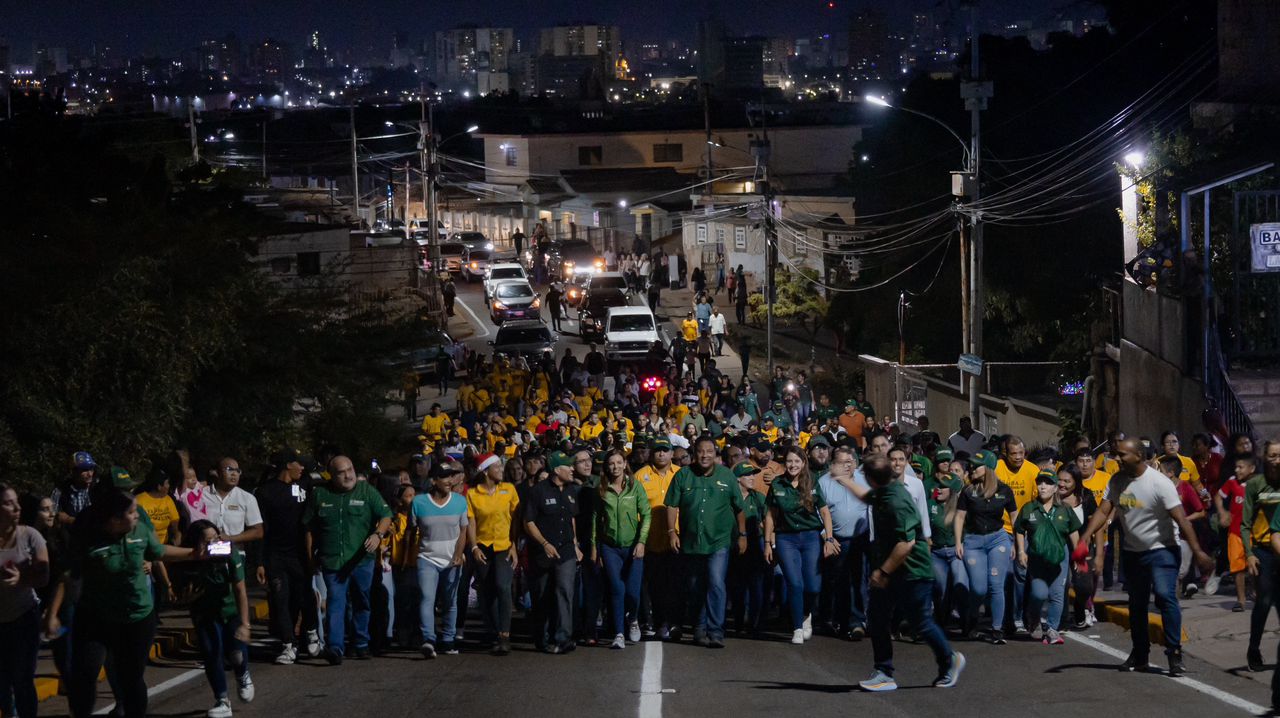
(1048, 583)
(21, 638)
(799, 553)
(622, 572)
(215, 637)
(707, 591)
(745, 581)
(1016, 589)
(986, 559)
(587, 596)
(1144, 572)
(339, 587)
(434, 581)
(912, 599)
(950, 582)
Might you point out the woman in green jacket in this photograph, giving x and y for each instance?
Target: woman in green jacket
(618, 535)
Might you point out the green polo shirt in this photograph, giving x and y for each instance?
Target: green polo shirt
(944, 533)
(896, 520)
(708, 509)
(792, 516)
(340, 522)
(111, 573)
(1045, 545)
(621, 518)
(215, 586)
(754, 508)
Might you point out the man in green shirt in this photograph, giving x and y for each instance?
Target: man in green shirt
(704, 501)
(346, 522)
(1261, 498)
(902, 579)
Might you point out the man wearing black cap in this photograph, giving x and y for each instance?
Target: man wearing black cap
(282, 500)
(553, 554)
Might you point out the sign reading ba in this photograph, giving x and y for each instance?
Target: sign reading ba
(970, 364)
(1264, 239)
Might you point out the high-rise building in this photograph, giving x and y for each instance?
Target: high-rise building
(604, 41)
(474, 59)
(315, 54)
(269, 60)
(221, 56)
(744, 63)
(4, 56)
(869, 45)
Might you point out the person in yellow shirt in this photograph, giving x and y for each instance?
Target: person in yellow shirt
(592, 429)
(582, 402)
(480, 399)
(1020, 475)
(491, 534)
(465, 395)
(769, 430)
(154, 499)
(661, 573)
(1171, 446)
(593, 392)
(677, 412)
(689, 329)
(433, 423)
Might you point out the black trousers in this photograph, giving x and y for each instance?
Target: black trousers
(128, 644)
(289, 596)
(552, 601)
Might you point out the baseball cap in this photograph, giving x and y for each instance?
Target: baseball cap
(745, 468)
(284, 457)
(121, 479)
(942, 455)
(445, 468)
(83, 461)
(558, 459)
(982, 458)
(660, 444)
(762, 444)
(819, 441)
(777, 404)
(1046, 477)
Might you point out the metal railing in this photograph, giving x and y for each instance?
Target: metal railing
(1218, 389)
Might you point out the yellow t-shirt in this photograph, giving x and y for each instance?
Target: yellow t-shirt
(678, 414)
(584, 405)
(433, 426)
(1098, 484)
(689, 330)
(465, 395)
(162, 512)
(655, 485)
(1023, 483)
(1107, 464)
(492, 514)
(590, 431)
(1190, 472)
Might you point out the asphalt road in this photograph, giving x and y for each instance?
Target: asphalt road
(748, 678)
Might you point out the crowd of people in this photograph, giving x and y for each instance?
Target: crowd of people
(610, 508)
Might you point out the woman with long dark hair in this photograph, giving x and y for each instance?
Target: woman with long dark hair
(220, 614)
(981, 541)
(618, 536)
(797, 532)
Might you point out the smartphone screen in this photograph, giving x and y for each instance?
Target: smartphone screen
(220, 548)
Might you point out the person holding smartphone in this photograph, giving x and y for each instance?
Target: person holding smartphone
(220, 613)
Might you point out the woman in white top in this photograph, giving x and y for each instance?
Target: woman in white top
(24, 567)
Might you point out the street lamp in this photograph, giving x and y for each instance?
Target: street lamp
(1129, 202)
(1135, 159)
(881, 102)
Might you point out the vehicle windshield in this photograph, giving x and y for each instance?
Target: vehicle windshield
(507, 273)
(532, 335)
(478, 254)
(598, 302)
(608, 283)
(631, 323)
(513, 291)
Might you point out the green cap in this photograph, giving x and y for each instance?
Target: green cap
(942, 455)
(745, 468)
(982, 458)
(121, 479)
(818, 441)
(660, 444)
(1047, 477)
(558, 459)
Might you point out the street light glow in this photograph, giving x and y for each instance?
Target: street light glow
(1135, 159)
(878, 101)
(473, 128)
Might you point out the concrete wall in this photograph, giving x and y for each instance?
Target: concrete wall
(343, 261)
(1155, 395)
(826, 149)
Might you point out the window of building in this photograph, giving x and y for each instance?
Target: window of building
(668, 153)
(739, 237)
(510, 153)
(702, 234)
(590, 155)
(308, 264)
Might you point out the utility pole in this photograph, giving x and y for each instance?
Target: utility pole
(975, 94)
(404, 209)
(355, 170)
(706, 120)
(191, 123)
(433, 169)
(761, 150)
(264, 148)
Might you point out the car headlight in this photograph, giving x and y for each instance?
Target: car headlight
(537, 302)
(475, 265)
(599, 263)
(499, 305)
(488, 245)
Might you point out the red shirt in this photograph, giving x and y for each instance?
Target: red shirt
(1232, 494)
(1190, 498)
(1209, 472)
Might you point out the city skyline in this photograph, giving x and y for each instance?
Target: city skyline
(145, 27)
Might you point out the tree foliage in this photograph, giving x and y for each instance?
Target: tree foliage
(799, 303)
(135, 320)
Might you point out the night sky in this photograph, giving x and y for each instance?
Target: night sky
(169, 26)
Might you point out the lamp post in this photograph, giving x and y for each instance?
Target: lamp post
(1129, 203)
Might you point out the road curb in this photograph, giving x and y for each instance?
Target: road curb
(1117, 613)
(169, 643)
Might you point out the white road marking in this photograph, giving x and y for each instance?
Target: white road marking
(159, 688)
(651, 681)
(475, 321)
(1211, 691)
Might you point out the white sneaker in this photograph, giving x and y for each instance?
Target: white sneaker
(808, 627)
(1211, 586)
(618, 642)
(221, 710)
(633, 632)
(313, 644)
(245, 690)
(797, 636)
(287, 656)
(1018, 626)
(1090, 618)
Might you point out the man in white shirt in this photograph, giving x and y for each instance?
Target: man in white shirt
(967, 439)
(1148, 506)
(718, 328)
(232, 509)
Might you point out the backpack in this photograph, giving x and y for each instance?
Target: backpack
(1046, 544)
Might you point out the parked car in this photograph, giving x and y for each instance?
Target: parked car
(572, 258)
(420, 228)
(629, 333)
(422, 357)
(475, 262)
(514, 299)
(501, 272)
(528, 337)
(450, 255)
(595, 309)
(471, 240)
